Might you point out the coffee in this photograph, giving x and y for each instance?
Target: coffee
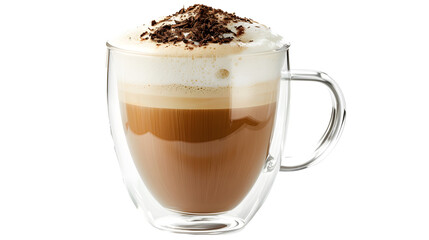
(199, 154)
(198, 114)
(199, 160)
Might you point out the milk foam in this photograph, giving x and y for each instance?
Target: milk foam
(151, 69)
(256, 38)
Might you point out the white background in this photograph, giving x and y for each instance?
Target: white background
(59, 178)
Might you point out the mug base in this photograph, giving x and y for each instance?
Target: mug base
(199, 224)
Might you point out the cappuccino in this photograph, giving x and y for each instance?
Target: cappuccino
(198, 106)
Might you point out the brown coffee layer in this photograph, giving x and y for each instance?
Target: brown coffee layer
(199, 160)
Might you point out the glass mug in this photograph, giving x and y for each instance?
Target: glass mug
(198, 159)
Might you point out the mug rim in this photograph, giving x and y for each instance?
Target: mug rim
(283, 48)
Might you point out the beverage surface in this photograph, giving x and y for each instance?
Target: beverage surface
(199, 30)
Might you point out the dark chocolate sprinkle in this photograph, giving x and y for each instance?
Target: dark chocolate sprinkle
(204, 26)
(240, 30)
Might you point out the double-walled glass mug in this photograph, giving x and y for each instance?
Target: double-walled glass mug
(200, 138)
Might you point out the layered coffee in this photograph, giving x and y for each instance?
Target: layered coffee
(200, 154)
(198, 104)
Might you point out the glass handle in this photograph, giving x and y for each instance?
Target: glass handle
(336, 123)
